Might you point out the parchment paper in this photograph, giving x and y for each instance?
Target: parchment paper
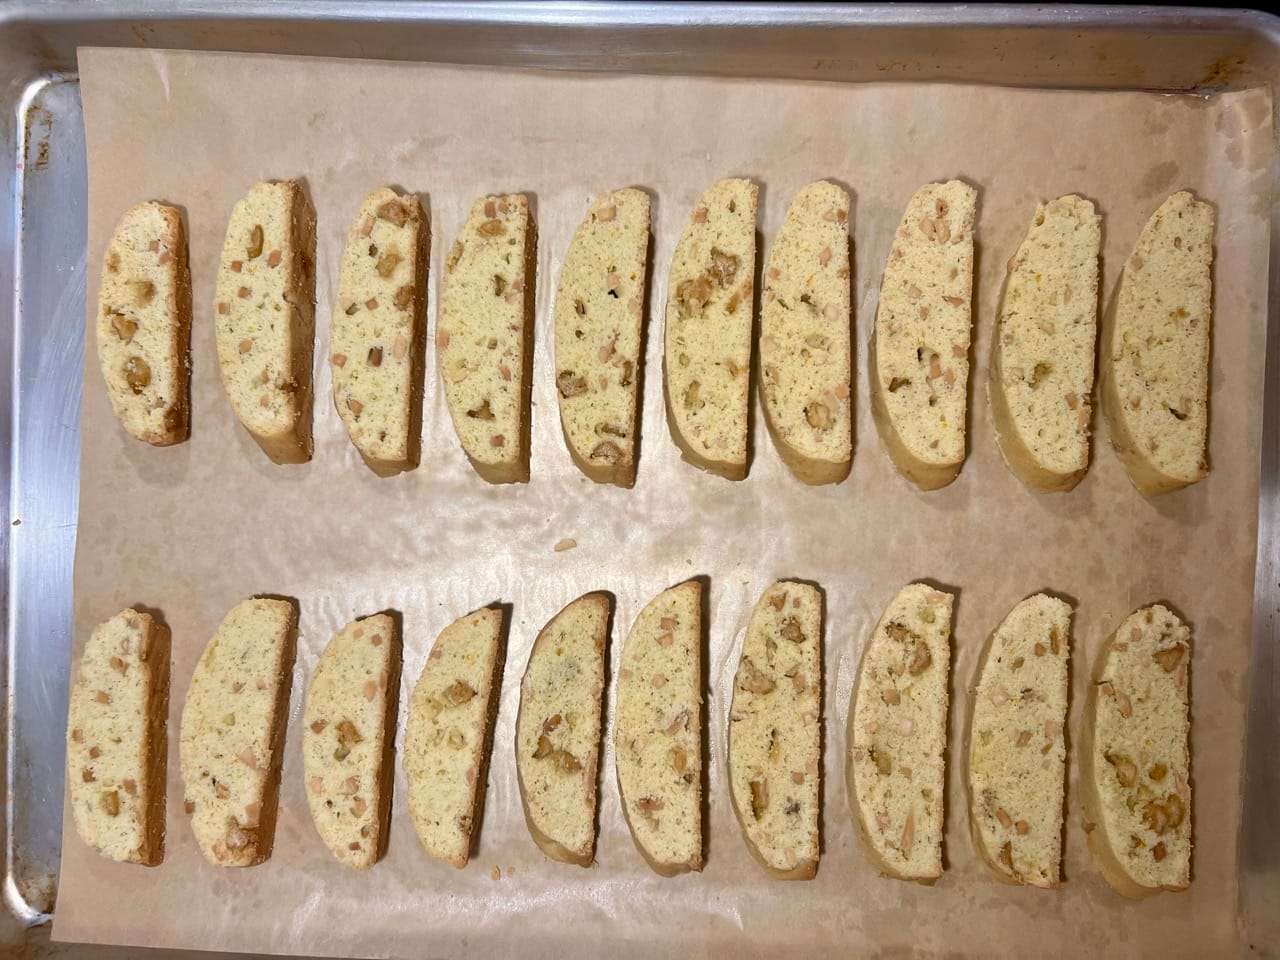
(192, 530)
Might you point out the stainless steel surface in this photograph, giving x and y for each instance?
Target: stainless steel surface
(43, 245)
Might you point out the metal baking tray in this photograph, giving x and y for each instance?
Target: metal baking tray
(42, 242)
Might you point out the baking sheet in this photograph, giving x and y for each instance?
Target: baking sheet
(191, 530)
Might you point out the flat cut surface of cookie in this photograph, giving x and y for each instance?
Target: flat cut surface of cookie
(233, 726)
(450, 734)
(897, 735)
(707, 354)
(558, 730)
(805, 350)
(264, 317)
(375, 340)
(1017, 751)
(920, 348)
(144, 324)
(1155, 374)
(483, 336)
(350, 705)
(1137, 760)
(598, 317)
(1042, 356)
(116, 738)
(775, 730)
(657, 732)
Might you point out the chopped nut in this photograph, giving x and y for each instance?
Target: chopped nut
(124, 327)
(1024, 738)
(1166, 816)
(387, 264)
(249, 758)
(692, 400)
(482, 412)
(459, 693)
(759, 798)
(724, 266)
(318, 726)
(920, 658)
(497, 441)
(679, 759)
(374, 359)
(753, 680)
(891, 696)
(492, 228)
(908, 833)
(102, 697)
(1022, 828)
(607, 451)
(649, 804)
(818, 415)
(254, 248)
(393, 212)
(570, 385)
(1006, 821)
(691, 296)
(1171, 658)
(897, 383)
(1158, 852)
(110, 803)
(354, 405)
(137, 374)
(1126, 769)
(658, 680)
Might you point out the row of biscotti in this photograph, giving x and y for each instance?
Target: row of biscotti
(1154, 369)
(1137, 765)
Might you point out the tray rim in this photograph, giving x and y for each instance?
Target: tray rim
(19, 17)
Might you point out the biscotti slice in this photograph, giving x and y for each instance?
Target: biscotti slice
(351, 707)
(775, 730)
(657, 733)
(233, 727)
(484, 336)
(897, 735)
(450, 734)
(707, 359)
(920, 350)
(1137, 760)
(116, 738)
(1017, 753)
(1042, 356)
(144, 324)
(1155, 377)
(599, 312)
(558, 730)
(375, 342)
(264, 310)
(805, 352)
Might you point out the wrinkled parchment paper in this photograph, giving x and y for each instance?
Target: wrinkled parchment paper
(193, 529)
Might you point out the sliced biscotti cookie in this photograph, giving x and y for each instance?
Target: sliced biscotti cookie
(558, 730)
(599, 312)
(897, 735)
(1017, 752)
(657, 732)
(1042, 356)
(144, 324)
(450, 734)
(1155, 372)
(805, 353)
(264, 313)
(775, 730)
(707, 357)
(375, 342)
(233, 725)
(920, 349)
(116, 738)
(1137, 760)
(350, 710)
(484, 336)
